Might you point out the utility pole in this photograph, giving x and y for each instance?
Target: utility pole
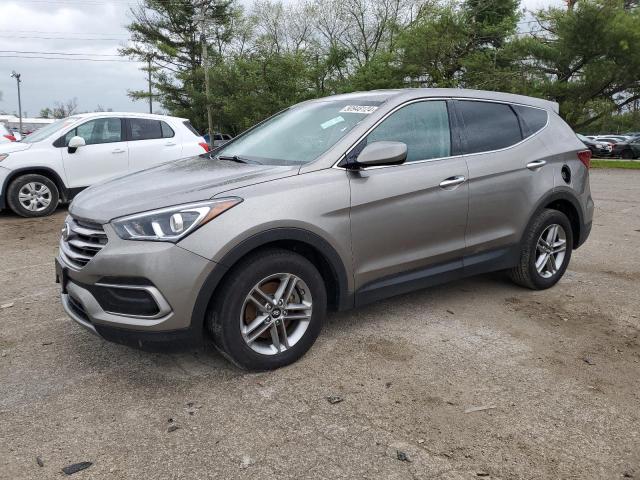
(149, 57)
(17, 77)
(205, 65)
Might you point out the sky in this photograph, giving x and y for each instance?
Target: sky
(77, 28)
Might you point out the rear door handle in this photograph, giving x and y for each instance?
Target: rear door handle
(452, 181)
(118, 150)
(169, 144)
(536, 164)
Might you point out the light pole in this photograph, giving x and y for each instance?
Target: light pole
(17, 77)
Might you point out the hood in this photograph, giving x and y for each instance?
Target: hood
(11, 147)
(190, 180)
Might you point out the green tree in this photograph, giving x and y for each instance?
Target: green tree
(586, 58)
(170, 34)
(460, 45)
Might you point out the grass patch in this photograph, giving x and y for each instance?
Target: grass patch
(628, 164)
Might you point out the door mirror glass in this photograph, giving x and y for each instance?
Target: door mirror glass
(74, 143)
(383, 153)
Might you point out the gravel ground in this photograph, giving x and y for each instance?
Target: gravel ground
(477, 378)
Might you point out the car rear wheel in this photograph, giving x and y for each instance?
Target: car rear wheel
(33, 195)
(627, 154)
(269, 311)
(545, 251)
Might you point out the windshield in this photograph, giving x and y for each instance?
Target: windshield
(48, 130)
(301, 134)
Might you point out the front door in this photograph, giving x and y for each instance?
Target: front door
(104, 155)
(408, 221)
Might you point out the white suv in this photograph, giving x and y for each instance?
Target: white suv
(56, 162)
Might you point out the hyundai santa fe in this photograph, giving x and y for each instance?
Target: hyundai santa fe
(328, 205)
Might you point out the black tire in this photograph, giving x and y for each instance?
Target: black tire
(627, 154)
(223, 321)
(16, 185)
(525, 273)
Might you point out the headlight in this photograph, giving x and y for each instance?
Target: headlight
(3, 156)
(172, 223)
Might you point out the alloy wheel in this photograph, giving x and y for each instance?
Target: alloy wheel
(35, 196)
(550, 250)
(276, 313)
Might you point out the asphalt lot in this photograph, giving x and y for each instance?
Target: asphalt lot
(556, 374)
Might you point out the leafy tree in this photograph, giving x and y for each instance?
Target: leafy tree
(586, 58)
(169, 33)
(46, 113)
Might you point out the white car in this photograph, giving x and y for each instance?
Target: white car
(59, 160)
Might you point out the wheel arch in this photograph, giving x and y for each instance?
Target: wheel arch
(566, 202)
(310, 245)
(48, 172)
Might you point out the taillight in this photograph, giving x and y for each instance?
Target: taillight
(585, 157)
(10, 137)
(205, 146)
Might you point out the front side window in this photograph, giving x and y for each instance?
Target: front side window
(488, 126)
(302, 133)
(100, 130)
(422, 126)
(145, 129)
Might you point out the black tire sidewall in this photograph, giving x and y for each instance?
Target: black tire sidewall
(549, 217)
(14, 190)
(240, 283)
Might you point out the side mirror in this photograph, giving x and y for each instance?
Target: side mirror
(383, 153)
(74, 143)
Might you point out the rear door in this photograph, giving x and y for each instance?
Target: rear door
(508, 173)
(105, 154)
(408, 218)
(152, 142)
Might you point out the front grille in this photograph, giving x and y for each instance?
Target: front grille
(82, 241)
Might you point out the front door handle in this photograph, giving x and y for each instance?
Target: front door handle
(452, 181)
(536, 164)
(118, 150)
(169, 144)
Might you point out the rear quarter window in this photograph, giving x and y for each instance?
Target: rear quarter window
(532, 119)
(488, 126)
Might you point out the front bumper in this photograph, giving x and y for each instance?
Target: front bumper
(167, 274)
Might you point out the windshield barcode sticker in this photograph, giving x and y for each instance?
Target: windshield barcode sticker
(364, 109)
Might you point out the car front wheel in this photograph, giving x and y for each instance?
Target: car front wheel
(545, 251)
(269, 311)
(33, 195)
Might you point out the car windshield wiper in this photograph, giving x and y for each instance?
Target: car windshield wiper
(236, 158)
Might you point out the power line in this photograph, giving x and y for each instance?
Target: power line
(64, 38)
(70, 59)
(62, 53)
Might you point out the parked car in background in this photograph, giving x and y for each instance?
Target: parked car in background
(628, 149)
(328, 205)
(598, 149)
(612, 138)
(219, 139)
(59, 160)
(6, 135)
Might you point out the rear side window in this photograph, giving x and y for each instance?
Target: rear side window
(145, 129)
(422, 126)
(167, 131)
(187, 124)
(532, 119)
(488, 126)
